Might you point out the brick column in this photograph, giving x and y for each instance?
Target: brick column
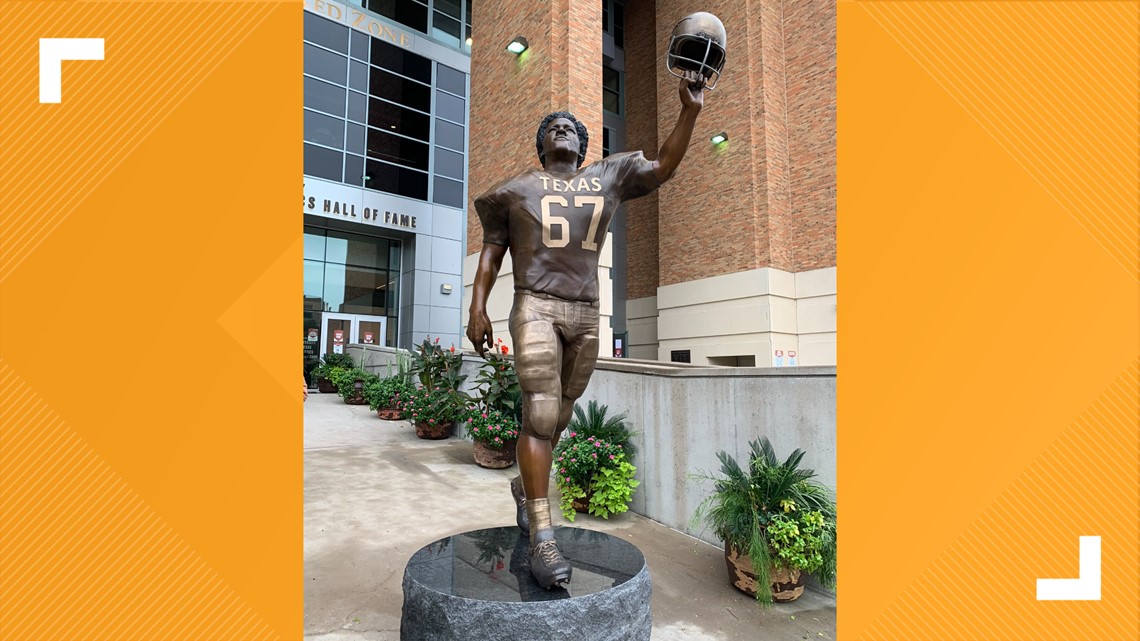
(511, 94)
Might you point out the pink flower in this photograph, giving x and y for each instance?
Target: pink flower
(567, 479)
(484, 415)
(611, 457)
(595, 455)
(563, 470)
(573, 434)
(597, 443)
(437, 340)
(573, 460)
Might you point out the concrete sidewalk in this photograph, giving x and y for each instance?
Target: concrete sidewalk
(374, 494)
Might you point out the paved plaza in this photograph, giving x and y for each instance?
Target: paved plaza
(374, 494)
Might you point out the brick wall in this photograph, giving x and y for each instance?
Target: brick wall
(511, 94)
(765, 199)
(642, 66)
(809, 26)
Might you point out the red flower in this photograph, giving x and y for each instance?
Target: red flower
(452, 349)
(504, 348)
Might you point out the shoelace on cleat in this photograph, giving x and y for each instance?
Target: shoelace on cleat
(548, 553)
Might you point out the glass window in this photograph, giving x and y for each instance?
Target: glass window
(383, 145)
(406, 12)
(611, 90)
(402, 61)
(326, 32)
(406, 92)
(619, 25)
(394, 257)
(326, 64)
(336, 248)
(324, 130)
(358, 76)
(314, 244)
(392, 117)
(449, 135)
(357, 106)
(324, 97)
(449, 7)
(448, 192)
(353, 170)
(360, 250)
(397, 180)
(354, 141)
(314, 283)
(450, 107)
(445, 28)
(356, 290)
(448, 163)
(359, 41)
(451, 80)
(323, 163)
(605, 141)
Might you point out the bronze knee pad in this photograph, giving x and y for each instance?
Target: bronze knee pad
(540, 416)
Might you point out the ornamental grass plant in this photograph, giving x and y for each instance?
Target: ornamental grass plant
(774, 512)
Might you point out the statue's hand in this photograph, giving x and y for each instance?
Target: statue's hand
(479, 331)
(692, 90)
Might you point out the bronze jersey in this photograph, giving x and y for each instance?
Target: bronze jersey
(555, 226)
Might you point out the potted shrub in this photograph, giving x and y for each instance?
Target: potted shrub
(775, 521)
(593, 476)
(350, 384)
(383, 396)
(323, 373)
(495, 434)
(433, 412)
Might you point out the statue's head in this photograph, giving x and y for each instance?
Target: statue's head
(561, 136)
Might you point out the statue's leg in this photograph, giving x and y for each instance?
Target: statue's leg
(538, 358)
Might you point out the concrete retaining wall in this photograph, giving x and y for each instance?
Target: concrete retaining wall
(683, 415)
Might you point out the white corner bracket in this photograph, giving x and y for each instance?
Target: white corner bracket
(53, 51)
(1086, 587)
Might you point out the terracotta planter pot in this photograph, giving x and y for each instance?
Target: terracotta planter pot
(787, 585)
(325, 386)
(390, 414)
(582, 505)
(492, 457)
(432, 431)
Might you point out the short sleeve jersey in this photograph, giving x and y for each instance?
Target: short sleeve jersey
(555, 226)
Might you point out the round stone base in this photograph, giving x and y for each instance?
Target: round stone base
(478, 585)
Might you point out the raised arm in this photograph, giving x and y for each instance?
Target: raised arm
(692, 99)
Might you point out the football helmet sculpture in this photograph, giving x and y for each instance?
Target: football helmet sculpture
(698, 44)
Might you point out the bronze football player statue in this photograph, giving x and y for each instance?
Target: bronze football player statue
(554, 222)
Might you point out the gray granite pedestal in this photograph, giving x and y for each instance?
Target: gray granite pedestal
(477, 586)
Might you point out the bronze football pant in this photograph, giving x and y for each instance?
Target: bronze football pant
(556, 348)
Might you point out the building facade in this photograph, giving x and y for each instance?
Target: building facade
(730, 263)
(386, 103)
(733, 262)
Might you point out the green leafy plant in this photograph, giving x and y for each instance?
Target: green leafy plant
(492, 427)
(436, 367)
(498, 383)
(328, 363)
(346, 381)
(594, 470)
(434, 407)
(385, 392)
(773, 511)
(593, 421)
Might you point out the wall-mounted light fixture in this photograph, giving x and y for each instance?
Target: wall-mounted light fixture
(719, 138)
(518, 45)
(445, 289)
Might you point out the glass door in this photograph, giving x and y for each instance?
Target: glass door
(341, 330)
(370, 330)
(338, 332)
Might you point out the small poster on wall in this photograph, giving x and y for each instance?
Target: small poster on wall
(368, 338)
(314, 336)
(338, 341)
